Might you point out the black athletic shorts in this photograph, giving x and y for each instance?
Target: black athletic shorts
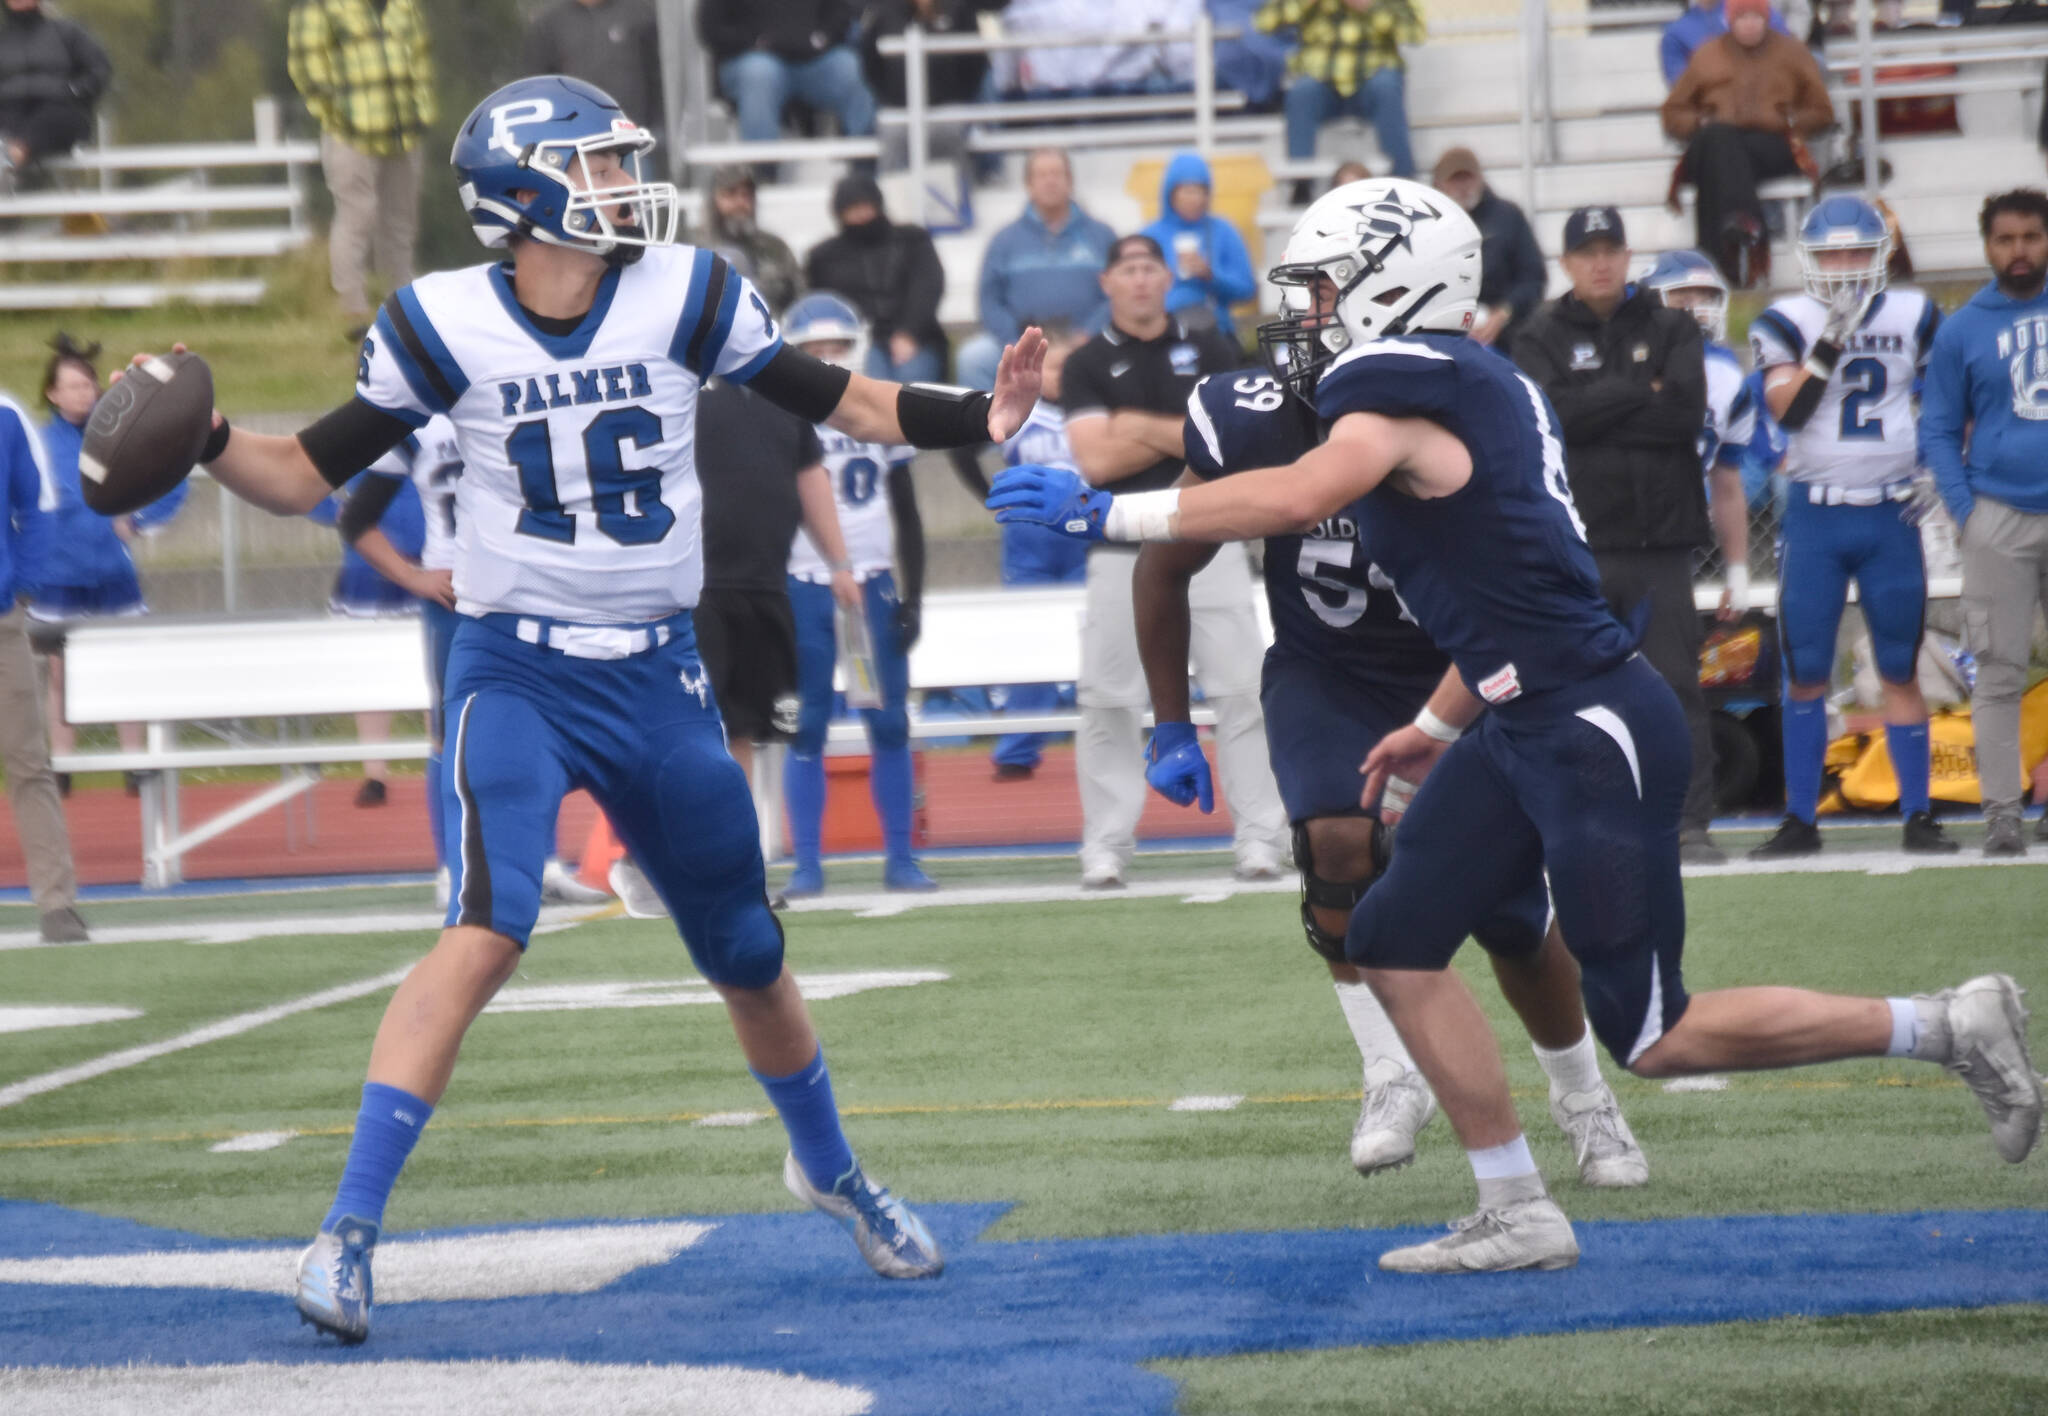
(747, 639)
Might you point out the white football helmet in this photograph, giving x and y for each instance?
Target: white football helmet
(1403, 258)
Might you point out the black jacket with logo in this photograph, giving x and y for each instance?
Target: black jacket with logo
(1117, 370)
(1631, 450)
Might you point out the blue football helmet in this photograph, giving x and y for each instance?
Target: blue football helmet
(1689, 270)
(822, 317)
(1844, 223)
(522, 159)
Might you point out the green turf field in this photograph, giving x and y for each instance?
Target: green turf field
(1040, 1072)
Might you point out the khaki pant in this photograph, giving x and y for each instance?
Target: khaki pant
(31, 785)
(376, 217)
(2005, 574)
(1109, 753)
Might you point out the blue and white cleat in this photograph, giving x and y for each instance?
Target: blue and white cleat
(892, 1239)
(906, 874)
(334, 1280)
(804, 882)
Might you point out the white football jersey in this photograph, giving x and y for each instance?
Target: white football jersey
(1042, 440)
(1864, 431)
(578, 498)
(433, 462)
(1731, 415)
(860, 489)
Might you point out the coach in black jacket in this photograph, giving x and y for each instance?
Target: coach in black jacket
(51, 74)
(1628, 379)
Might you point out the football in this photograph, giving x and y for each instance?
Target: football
(146, 432)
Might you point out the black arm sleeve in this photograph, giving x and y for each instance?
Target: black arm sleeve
(800, 384)
(1820, 358)
(365, 507)
(909, 534)
(350, 438)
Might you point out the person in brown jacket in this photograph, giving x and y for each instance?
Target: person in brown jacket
(1737, 106)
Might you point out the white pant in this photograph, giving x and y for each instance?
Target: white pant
(1109, 751)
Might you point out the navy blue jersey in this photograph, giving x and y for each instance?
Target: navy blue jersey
(1328, 603)
(1498, 573)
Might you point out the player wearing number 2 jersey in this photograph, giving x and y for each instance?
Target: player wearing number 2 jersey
(1347, 666)
(1452, 461)
(570, 373)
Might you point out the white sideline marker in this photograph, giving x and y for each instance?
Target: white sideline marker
(1697, 1084)
(57, 1016)
(18, 1092)
(252, 1141)
(1228, 1102)
(732, 1118)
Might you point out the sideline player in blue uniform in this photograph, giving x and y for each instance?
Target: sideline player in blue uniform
(1452, 464)
(877, 506)
(1348, 665)
(571, 373)
(1842, 364)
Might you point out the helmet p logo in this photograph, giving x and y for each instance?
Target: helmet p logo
(508, 116)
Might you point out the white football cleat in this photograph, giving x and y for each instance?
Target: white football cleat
(1531, 1234)
(635, 892)
(1258, 861)
(1978, 1030)
(1396, 1106)
(558, 886)
(1608, 1156)
(890, 1237)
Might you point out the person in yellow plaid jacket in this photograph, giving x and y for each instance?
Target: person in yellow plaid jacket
(1348, 61)
(364, 69)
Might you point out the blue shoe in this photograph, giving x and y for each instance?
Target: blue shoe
(334, 1280)
(906, 874)
(892, 1239)
(804, 881)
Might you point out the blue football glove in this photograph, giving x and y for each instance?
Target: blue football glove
(1049, 496)
(1177, 769)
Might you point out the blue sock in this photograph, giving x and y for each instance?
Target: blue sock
(434, 822)
(1907, 743)
(889, 782)
(1806, 748)
(803, 792)
(386, 1129)
(804, 1101)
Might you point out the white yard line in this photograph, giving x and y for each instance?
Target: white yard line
(240, 1023)
(242, 931)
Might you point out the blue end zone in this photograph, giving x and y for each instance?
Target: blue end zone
(1045, 1324)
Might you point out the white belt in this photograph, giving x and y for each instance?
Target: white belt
(593, 641)
(1825, 494)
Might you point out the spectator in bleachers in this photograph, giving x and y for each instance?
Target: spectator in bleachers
(1349, 61)
(1136, 66)
(367, 77)
(52, 72)
(949, 78)
(1347, 173)
(1212, 270)
(1627, 376)
(1124, 394)
(1044, 268)
(613, 44)
(1739, 106)
(87, 571)
(1703, 20)
(768, 54)
(1511, 266)
(731, 230)
(892, 275)
(28, 495)
(1255, 64)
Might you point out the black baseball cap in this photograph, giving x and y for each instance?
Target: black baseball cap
(1593, 223)
(1137, 245)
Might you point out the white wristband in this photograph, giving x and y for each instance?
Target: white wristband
(1738, 588)
(1435, 727)
(1142, 516)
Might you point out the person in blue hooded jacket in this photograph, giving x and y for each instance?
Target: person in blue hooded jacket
(1988, 373)
(1212, 270)
(87, 572)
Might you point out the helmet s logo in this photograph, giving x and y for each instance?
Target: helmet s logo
(508, 116)
(1391, 219)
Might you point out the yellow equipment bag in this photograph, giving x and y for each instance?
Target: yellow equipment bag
(1860, 767)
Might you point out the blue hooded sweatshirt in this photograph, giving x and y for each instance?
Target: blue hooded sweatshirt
(27, 497)
(1989, 373)
(84, 549)
(1230, 265)
(1031, 274)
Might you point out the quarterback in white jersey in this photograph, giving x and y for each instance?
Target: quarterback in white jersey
(1841, 366)
(570, 374)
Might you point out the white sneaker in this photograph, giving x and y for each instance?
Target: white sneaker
(634, 892)
(1609, 1158)
(1396, 1106)
(1533, 1234)
(558, 886)
(1105, 873)
(443, 884)
(1258, 861)
(1978, 1030)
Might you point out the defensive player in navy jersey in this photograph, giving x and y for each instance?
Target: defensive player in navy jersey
(1348, 664)
(570, 372)
(1450, 461)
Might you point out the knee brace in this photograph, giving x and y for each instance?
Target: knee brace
(1320, 893)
